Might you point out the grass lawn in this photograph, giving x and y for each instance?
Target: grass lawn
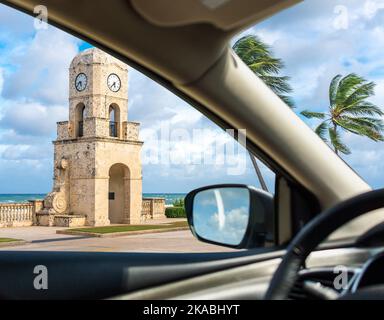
(2, 240)
(127, 228)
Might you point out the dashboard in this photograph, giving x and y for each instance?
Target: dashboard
(370, 274)
(251, 281)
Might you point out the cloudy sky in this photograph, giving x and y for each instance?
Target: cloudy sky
(316, 39)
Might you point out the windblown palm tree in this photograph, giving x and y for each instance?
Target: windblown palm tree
(258, 57)
(349, 111)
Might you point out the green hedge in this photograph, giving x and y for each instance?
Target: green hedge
(178, 202)
(175, 212)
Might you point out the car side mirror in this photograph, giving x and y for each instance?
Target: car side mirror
(231, 215)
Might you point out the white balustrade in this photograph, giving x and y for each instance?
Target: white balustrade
(16, 214)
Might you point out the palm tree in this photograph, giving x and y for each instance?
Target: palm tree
(259, 58)
(349, 111)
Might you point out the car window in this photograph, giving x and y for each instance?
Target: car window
(125, 150)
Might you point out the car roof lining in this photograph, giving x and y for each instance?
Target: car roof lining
(228, 15)
(135, 37)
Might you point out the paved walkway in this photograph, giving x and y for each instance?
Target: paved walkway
(46, 239)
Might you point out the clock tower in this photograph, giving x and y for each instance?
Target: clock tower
(97, 163)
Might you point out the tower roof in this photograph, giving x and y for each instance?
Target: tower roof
(96, 56)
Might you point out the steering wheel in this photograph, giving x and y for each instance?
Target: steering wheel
(315, 232)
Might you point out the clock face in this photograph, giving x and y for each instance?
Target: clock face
(114, 82)
(81, 82)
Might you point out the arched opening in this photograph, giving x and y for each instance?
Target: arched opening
(80, 115)
(119, 194)
(114, 120)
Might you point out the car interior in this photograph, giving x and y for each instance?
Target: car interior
(322, 216)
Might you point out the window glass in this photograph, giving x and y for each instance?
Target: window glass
(324, 58)
(125, 150)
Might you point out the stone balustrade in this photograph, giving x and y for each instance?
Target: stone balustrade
(18, 214)
(63, 130)
(131, 130)
(24, 214)
(99, 127)
(153, 208)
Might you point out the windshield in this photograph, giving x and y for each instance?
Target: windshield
(91, 149)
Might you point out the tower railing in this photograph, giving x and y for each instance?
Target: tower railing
(81, 128)
(113, 128)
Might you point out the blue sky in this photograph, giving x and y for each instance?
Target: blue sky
(316, 39)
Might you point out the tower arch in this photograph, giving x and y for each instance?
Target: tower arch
(114, 120)
(119, 193)
(79, 119)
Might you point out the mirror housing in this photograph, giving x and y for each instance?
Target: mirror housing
(231, 215)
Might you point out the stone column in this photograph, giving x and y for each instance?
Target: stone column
(101, 204)
(135, 201)
(127, 200)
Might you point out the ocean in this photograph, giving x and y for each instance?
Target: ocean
(19, 198)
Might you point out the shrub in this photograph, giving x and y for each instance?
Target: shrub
(178, 203)
(175, 212)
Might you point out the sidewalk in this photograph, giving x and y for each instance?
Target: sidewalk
(32, 233)
(46, 239)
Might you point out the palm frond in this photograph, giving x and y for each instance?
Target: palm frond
(259, 58)
(312, 114)
(266, 65)
(361, 92)
(333, 90)
(250, 42)
(336, 141)
(362, 108)
(276, 83)
(321, 130)
(251, 49)
(368, 127)
(355, 102)
(288, 100)
(347, 86)
(373, 123)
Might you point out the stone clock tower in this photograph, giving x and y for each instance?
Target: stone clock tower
(97, 163)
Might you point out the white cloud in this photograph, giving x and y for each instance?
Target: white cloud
(26, 152)
(372, 8)
(32, 118)
(41, 68)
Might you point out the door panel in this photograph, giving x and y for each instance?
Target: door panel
(79, 275)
